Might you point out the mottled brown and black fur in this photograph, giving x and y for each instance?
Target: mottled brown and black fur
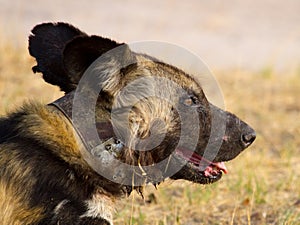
(44, 178)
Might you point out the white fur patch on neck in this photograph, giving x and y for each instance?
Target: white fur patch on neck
(100, 206)
(60, 206)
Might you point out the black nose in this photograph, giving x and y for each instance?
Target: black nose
(248, 138)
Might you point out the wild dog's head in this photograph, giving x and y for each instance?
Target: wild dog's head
(163, 124)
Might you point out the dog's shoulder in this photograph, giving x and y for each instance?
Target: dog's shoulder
(43, 172)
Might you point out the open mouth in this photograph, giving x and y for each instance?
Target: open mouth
(210, 171)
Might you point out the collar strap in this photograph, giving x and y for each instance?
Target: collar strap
(91, 132)
(96, 137)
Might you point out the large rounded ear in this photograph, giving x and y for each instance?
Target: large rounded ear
(46, 44)
(106, 59)
(81, 52)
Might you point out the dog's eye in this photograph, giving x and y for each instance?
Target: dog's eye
(191, 101)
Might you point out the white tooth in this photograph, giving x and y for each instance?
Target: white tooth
(222, 166)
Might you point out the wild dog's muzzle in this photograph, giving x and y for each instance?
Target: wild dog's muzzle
(229, 136)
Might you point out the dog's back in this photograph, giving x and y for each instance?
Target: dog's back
(15, 174)
(39, 181)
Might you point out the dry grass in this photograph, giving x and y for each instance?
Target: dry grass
(263, 184)
(17, 82)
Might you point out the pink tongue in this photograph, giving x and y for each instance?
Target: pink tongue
(211, 171)
(195, 158)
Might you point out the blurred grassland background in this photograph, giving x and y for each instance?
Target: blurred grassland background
(253, 49)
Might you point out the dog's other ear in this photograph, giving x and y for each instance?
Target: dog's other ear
(82, 51)
(85, 51)
(46, 44)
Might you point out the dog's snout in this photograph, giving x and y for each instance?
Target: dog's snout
(248, 138)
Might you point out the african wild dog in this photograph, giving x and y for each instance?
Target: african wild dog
(49, 166)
